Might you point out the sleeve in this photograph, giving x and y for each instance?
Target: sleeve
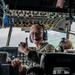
(34, 56)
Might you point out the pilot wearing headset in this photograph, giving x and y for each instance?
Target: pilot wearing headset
(38, 36)
(65, 44)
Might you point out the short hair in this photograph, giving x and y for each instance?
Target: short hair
(37, 26)
(67, 44)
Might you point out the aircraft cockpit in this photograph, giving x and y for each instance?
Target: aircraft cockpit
(58, 19)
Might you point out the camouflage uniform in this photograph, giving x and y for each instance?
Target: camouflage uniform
(34, 55)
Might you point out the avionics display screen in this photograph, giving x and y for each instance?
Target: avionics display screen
(3, 57)
(61, 70)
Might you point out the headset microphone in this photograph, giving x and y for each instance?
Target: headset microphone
(37, 39)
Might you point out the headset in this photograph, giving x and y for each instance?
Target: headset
(61, 49)
(45, 37)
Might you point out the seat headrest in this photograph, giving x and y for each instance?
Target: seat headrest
(50, 61)
(69, 51)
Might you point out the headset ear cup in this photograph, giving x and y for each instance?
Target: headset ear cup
(61, 49)
(45, 37)
(30, 38)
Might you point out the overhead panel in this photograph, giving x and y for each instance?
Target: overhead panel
(50, 20)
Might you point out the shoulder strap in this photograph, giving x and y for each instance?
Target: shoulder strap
(43, 48)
